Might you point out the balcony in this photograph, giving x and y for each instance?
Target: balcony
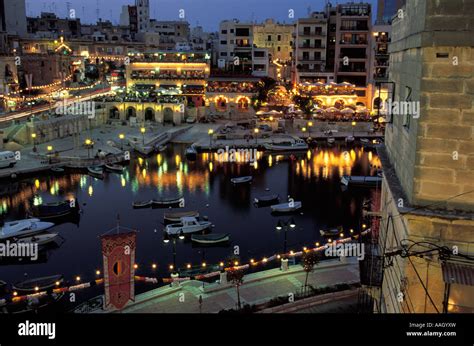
(355, 28)
(348, 69)
(317, 33)
(319, 46)
(354, 42)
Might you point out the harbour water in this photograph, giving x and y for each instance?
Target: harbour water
(312, 177)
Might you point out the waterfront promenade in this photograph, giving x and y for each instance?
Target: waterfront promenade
(257, 288)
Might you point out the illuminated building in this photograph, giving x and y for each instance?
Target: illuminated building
(276, 37)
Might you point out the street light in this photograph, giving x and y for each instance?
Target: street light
(143, 130)
(285, 225)
(304, 130)
(33, 135)
(122, 137)
(353, 127)
(50, 149)
(88, 144)
(166, 240)
(256, 131)
(210, 133)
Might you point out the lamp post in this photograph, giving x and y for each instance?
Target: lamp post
(122, 137)
(285, 225)
(210, 133)
(166, 240)
(143, 130)
(304, 131)
(50, 150)
(256, 131)
(33, 136)
(88, 144)
(353, 127)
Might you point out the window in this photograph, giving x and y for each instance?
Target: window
(224, 32)
(269, 38)
(242, 32)
(223, 53)
(306, 30)
(223, 42)
(279, 37)
(279, 49)
(231, 31)
(259, 54)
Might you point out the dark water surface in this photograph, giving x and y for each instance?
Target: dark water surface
(313, 178)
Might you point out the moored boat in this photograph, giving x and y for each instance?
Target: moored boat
(114, 168)
(210, 239)
(241, 180)
(96, 171)
(141, 204)
(287, 146)
(331, 140)
(360, 180)
(168, 203)
(191, 153)
(22, 228)
(40, 239)
(286, 207)
(350, 139)
(267, 200)
(332, 232)
(177, 216)
(55, 210)
(39, 284)
(57, 170)
(187, 225)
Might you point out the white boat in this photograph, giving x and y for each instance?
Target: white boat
(241, 180)
(40, 239)
(187, 225)
(21, 228)
(331, 140)
(287, 146)
(286, 207)
(210, 239)
(350, 139)
(177, 216)
(364, 141)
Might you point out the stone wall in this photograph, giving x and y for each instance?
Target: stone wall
(432, 61)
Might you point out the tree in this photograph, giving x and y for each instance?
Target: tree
(236, 277)
(305, 103)
(308, 261)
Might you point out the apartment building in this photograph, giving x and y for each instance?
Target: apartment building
(276, 37)
(237, 51)
(352, 46)
(48, 25)
(143, 15)
(13, 13)
(310, 50)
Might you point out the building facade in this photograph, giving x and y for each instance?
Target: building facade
(428, 163)
(143, 15)
(276, 37)
(48, 25)
(13, 13)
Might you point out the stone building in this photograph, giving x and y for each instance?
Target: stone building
(428, 163)
(277, 37)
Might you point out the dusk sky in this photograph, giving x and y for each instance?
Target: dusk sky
(207, 13)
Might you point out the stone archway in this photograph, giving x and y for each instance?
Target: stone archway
(243, 104)
(221, 103)
(168, 115)
(131, 113)
(114, 113)
(149, 114)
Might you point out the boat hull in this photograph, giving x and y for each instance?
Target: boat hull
(286, 207)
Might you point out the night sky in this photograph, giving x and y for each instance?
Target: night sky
(207, 13)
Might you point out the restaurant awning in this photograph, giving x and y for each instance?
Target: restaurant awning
(454, 273)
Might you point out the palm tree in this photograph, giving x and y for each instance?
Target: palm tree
(308, 261)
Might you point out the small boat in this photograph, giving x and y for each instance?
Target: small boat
(191, 153)
(364, 141)
(161, 148)
(114, 168)
(287, 146)
(23, 228)
(350, 139)
(168, 203)
(96, 171)
(41, 239)
(187, 225)
(210, 239)
(241, 180)
(55, 210)
(141, 204)
(361, 180)
(57, 170)
(39, 284)
(268, 199)
(177, 216)
(286, 207)
(333, 232)
(331, 140)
